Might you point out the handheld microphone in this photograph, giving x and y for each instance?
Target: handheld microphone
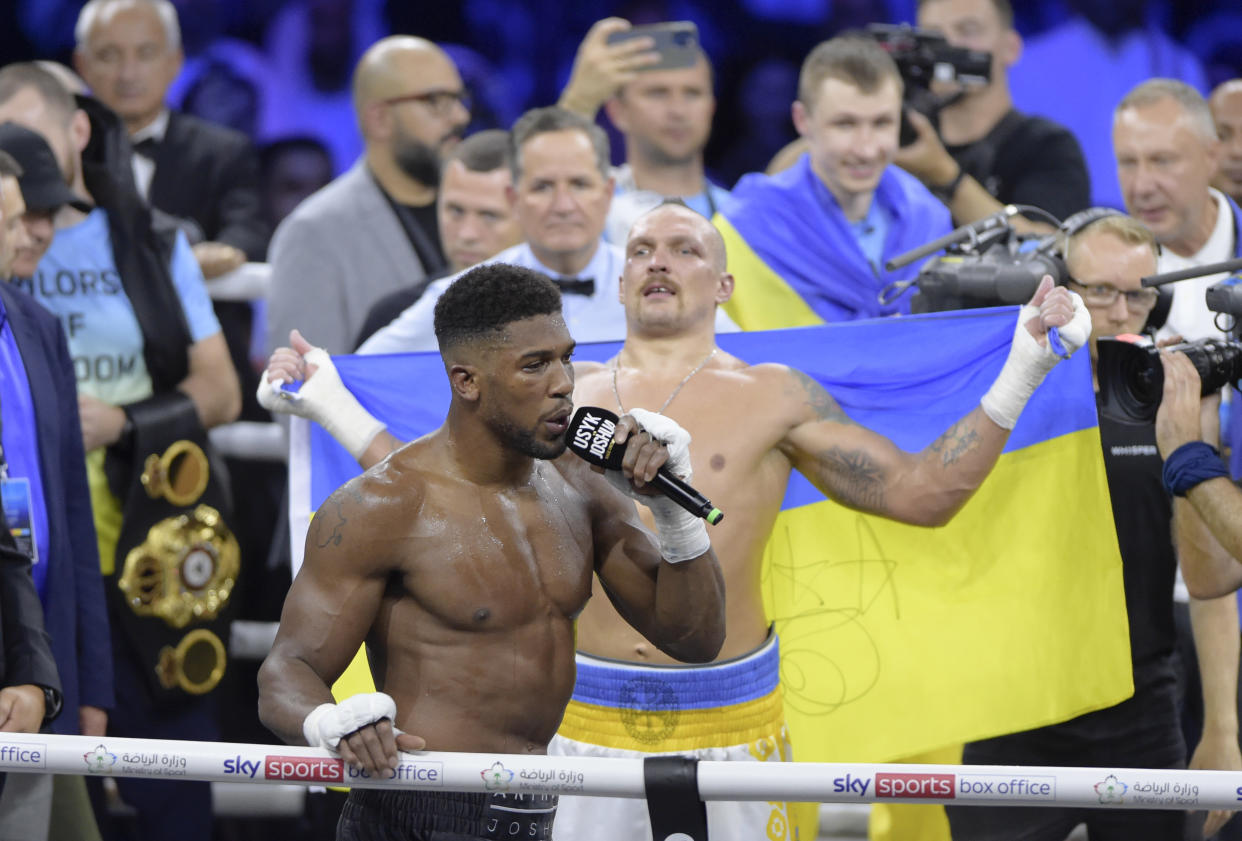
(590, 437)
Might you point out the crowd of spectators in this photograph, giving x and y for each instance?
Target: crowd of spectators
(370, 169)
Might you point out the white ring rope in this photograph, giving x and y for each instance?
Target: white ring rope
(993, 785)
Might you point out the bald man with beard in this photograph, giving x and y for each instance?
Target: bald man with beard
(373, 230)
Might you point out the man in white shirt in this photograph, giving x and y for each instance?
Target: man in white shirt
(1167, 155)
(562, 190)
(664, 114)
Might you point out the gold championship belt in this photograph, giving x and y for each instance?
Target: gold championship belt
(178, 561)
(185, 571)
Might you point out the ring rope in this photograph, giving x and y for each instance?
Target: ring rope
(992, 785)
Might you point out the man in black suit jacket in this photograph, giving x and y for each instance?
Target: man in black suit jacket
(205, 176)
(29, 683)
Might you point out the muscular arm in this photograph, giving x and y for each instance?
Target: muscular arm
(678, 607)
(866, 471)
(327, 613)
(1209, 542)
(1206, 520)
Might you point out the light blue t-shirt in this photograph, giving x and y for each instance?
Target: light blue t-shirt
(77, 280)
(870, 233)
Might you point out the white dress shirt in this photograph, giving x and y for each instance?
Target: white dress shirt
(144, 167)
(599, 317)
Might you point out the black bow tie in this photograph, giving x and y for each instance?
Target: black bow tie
(147, 148)
(575, 285)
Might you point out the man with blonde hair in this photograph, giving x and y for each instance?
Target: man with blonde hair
(809, 244)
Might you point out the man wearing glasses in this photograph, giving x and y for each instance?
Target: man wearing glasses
(373, 230)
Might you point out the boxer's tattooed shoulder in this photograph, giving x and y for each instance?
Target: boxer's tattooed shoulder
(820, 401)
(956, 441)
(858, 478)
(328, 524)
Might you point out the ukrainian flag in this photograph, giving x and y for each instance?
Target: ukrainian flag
(895, 640)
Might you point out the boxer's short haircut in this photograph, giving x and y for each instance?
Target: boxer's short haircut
(486, 299)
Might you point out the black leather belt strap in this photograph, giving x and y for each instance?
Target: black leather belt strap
(673, 798)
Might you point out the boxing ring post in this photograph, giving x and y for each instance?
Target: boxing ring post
(994, 785)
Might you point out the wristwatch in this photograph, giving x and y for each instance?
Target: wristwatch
(52, 702)
(945, 192)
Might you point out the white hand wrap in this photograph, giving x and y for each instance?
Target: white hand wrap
(1029, 362)
(683, 536)
(328, 723)
(324, 399)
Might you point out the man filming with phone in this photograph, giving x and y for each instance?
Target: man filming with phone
(986, 153)
(655, 84)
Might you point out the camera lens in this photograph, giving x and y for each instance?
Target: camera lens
(1131, 376)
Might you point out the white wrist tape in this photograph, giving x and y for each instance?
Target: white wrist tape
(324, 399)
(1029, 362)
(328, 723)
(683, 536)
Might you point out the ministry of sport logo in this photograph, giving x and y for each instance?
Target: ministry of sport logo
(1111, 790)
(496, 778)
(99, 760)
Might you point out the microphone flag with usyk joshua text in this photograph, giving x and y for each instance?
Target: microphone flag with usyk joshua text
(895, 639)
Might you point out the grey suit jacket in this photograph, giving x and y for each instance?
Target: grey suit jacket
(335, 255)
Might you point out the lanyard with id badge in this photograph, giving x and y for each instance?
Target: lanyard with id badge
(18, 508)
(15, 497)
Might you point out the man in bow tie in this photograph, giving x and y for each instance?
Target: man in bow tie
(203, 174)
(562, 190)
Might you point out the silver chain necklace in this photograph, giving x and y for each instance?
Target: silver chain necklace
(676, 390)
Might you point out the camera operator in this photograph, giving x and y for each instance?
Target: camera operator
(987, 154)
(1106, 260)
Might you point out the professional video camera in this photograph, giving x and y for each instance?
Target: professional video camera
(1130, 373)
(924, 57)
(985, 264)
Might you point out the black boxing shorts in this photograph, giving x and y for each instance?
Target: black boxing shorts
(407, 815)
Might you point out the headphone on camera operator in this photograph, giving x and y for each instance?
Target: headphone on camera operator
(1073, 225)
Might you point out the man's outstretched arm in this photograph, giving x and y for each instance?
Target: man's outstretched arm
(324, 399)
(866, 471)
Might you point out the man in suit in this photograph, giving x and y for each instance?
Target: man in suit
(372, 230)
(47, 552)
(129, 52)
